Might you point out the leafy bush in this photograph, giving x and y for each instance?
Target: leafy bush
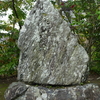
(86, 24)
(9, 54)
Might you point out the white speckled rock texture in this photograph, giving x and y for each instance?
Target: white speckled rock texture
(50, 53)
(22, 91)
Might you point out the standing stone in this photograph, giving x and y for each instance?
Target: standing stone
(50, 53)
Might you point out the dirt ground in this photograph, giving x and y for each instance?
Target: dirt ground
(4, 83)
(94, 78)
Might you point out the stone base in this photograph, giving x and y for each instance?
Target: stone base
(21, 91)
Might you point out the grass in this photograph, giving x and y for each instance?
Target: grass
(3, 88)
(4, 83)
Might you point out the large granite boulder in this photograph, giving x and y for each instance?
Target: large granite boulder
(50, 52)
(22, 91)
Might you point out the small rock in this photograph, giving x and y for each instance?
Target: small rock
(98, 78)
(14, 90)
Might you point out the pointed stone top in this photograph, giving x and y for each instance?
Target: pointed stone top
(50, 53)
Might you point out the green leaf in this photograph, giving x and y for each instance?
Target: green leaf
(97, 12)
(98, 17)
(53, 2)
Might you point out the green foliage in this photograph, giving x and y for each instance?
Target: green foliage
(9, 52)
(86, 24)
(96, 69)
(87, 16)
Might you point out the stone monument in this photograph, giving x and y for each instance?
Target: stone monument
(50, 55)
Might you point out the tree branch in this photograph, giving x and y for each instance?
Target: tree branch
(16, 14)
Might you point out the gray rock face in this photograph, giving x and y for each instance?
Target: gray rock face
(50, 53)
(85, 92)
(15, 90)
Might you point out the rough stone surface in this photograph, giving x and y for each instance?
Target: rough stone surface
(85, 92)
(50, 53)
(15, 90)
